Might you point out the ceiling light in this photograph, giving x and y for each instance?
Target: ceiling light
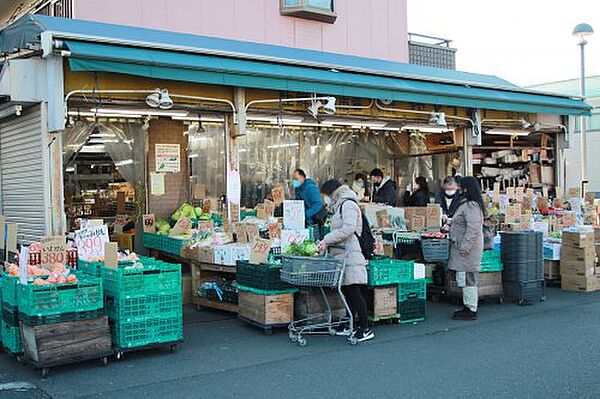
(146, 112)
(353, 123)
(507, 132)
(328, 147)
(329, 106)
(70, 169)
(437, 119)
(194, 118)
(153, 99)
(426, 128)
(313, 109)
(165, 100)
(106, 115)
(274, 119)
(124, 162)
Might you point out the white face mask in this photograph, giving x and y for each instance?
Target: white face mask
(328, 200)
(450, 193)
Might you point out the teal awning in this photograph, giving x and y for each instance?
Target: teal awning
(191, 58)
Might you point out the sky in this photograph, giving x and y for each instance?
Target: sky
(523, 41)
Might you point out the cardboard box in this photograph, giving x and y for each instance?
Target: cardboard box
(585, 255)
(551, 269)
(552, 250)
(388, 250)
(578, 239)
(186, 289)
(577, 268)
(383, 301)
(580, 284)
(434, 216)
(202, 254)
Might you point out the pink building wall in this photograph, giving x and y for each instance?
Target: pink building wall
(368, 28)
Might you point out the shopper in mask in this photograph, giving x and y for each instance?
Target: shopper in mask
(342, 242)
(384, 188)
(359, 186)
(466, 245)
(448, 197)
(307, 190)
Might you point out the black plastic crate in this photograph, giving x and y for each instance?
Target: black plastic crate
(10, 315)
(525, 292)
(265, 277)
(523, 271)
(60, 318)
(521, 246)
(408, 250)
(412, 310)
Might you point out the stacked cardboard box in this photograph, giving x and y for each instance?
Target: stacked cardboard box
(578, 262)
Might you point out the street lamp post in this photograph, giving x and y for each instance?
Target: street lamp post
(581, 31)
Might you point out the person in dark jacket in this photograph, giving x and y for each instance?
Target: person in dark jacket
(420, 197)
(448, 197)
(307, 190)
(384, 189)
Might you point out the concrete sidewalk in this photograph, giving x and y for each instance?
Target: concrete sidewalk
(546, 350)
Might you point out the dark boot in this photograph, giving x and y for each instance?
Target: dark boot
(465, 314)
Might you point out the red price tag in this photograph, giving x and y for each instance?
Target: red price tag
(260, 251)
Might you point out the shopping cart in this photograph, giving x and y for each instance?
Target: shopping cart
(321, 272)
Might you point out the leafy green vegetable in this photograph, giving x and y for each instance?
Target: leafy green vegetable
(307, 248)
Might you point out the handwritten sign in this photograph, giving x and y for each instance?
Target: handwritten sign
(383, 219)
(90, 242)
(417, 222)
(297, 236)
(293, 215)
(183, 224)
(510, 192)
(205, 225)
(260, 251)
(235, 212)
(569, 219)
(168, 158)
(503, 202)
(252, 232)
(513, 213)
(119, 224)
(378, 245)
(275, 231)
(199, 191)
(149, 222)
(496, 194)
(589, 197)
(278, 194)
(54, 249)
(260, 212)
(519, 194)
(269, 208)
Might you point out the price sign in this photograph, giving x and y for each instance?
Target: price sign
(54, 249)
(278, 194)
(513, 213)
(90, 242)
(260, 212)
(275, 231)
(510, 192)
(589, 197)
(183, 224)
(269, 208)
(119, 223)
(496, 194)
(519, 194)
(149, 223)
(252, 232)
(240, 232)
(293, 215)
(234, 209)
(205, 226)
(417, 222)
(503, 202)
(378, 245)
(293, 236)
(260, 251)
(569, 219)
(383, 219)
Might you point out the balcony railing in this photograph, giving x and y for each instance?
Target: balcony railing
(431, 51)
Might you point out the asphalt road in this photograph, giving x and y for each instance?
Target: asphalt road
(548, 350)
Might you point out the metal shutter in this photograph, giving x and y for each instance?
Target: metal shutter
(24, 174)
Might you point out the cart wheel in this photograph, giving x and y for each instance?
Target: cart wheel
(293, 337)
(119, 355)
(104, 361)
(500, 301)
(301, 341)
(268, 332)
(522, 302)
(331, 332)
(45, 371)
(353, 341)
(172, 348)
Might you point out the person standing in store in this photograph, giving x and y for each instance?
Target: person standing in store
(307, 190)
(448, 198)
(466, 245)
(384, 188)
(420, 197)
(342, 242)
(359, 186)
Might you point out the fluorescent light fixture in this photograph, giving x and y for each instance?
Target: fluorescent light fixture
(148, 112)
(287, 145)
(101, 135)
(194, 118)
(328, 147)
(274, 119)
(193, 156)
(351, 123)
(427, 128)
(105, 115)
(508, 132)
(101, 141)
(70, 169)
(124, 162)
(93, 149)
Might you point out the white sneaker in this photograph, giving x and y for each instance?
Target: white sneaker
(364, 335)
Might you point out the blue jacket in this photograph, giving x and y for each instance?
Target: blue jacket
(309, 193)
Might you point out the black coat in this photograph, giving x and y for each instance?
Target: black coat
(418, 198)
(441, 199)
(386, 194)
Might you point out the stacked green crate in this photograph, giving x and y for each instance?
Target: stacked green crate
(144, 304)
(491, 261)
(386, 271)
(412, 298)
(10, 332)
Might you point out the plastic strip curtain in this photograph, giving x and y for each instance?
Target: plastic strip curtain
(207, 160)
(74, 138)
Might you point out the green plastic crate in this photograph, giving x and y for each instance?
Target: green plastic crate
(164, 243)
(160, 278)
(246, 214)
(154, 330)
(60, 318)
(9, 289)
(47, 300)
(10, 315)
(263, 276)
(412, 310)
(11, 338)
(491, 261)
(386, 271)
(143, 306)
(412, 290)
(92, 268)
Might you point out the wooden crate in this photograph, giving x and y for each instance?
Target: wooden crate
(383, 301)
(65, 343)
(551, 269)
(309, 303)
(267, 309)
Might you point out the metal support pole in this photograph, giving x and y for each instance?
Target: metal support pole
(582, 137)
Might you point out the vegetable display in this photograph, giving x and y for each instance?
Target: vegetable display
(307, 248)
